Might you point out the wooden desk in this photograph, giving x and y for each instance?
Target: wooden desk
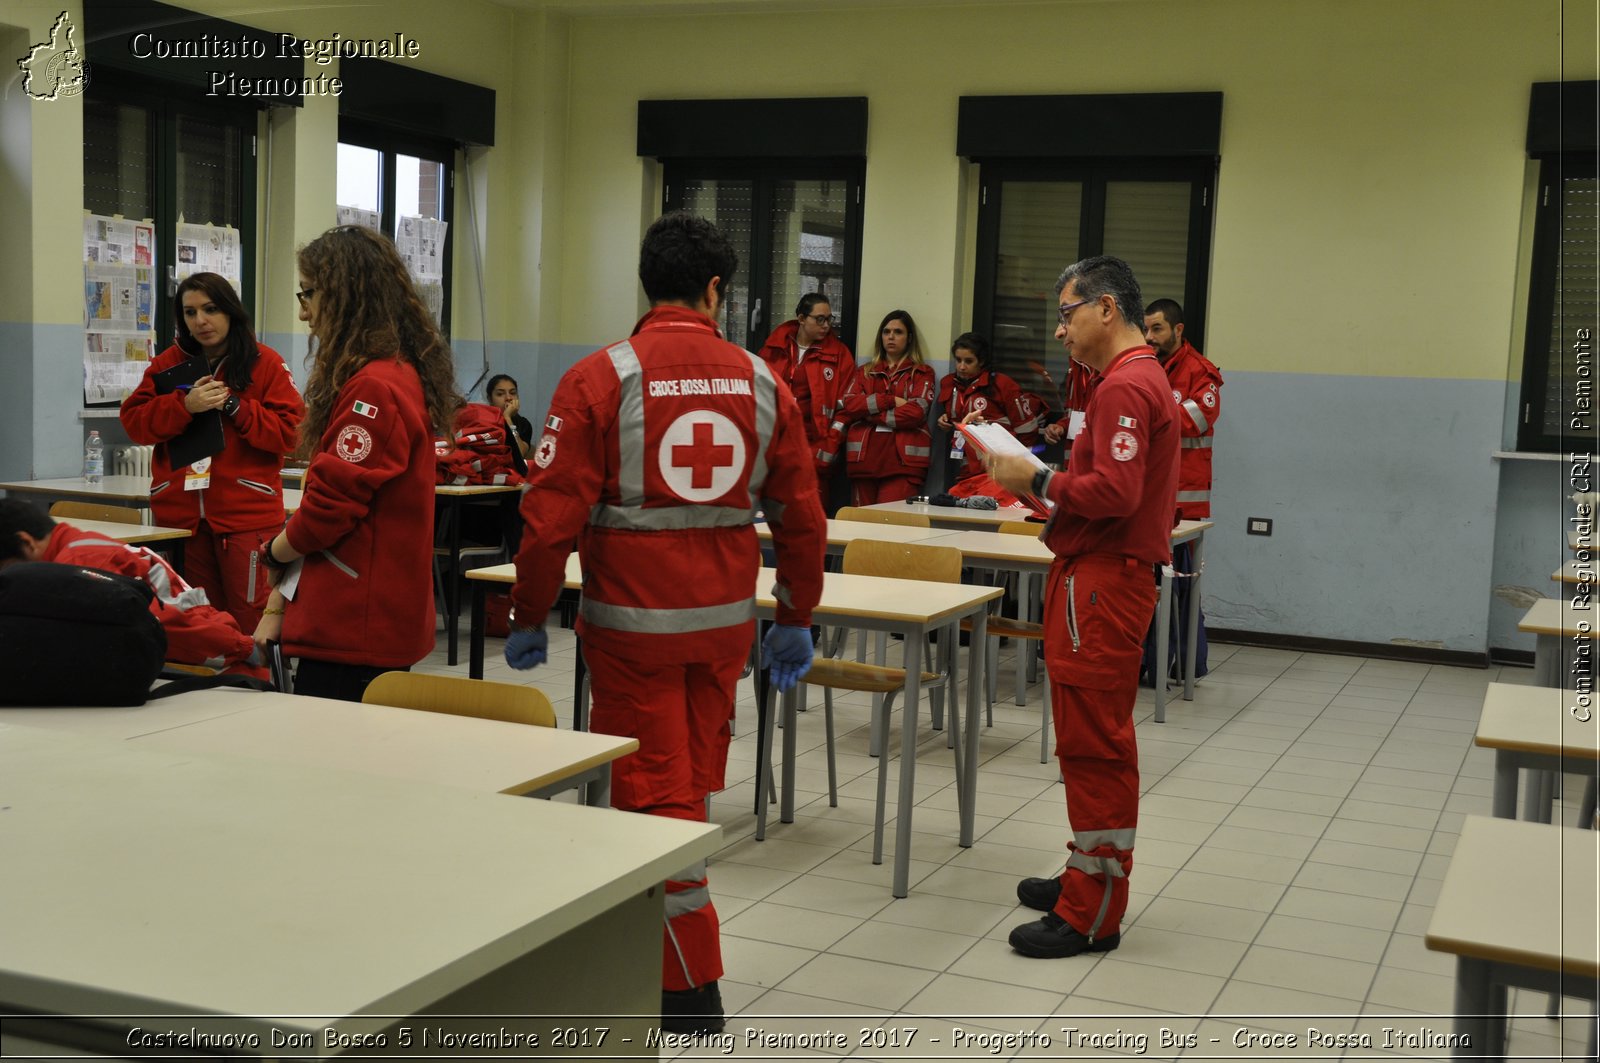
(1517, 908)
(273, 895)
(134, 489)
(1555, 623)
(137, 534)
(841, 533)
(1534, 728)
(957, 518)
(1575, 572)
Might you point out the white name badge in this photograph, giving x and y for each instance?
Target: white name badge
(197, 477)
(958, 445)
(1075, 423)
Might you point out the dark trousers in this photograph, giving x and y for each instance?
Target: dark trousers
(1179, 634)
(331, 679)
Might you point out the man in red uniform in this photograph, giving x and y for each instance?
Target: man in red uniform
(197, 632)
(1113, 516)
(656, 453)
(1196, 388)
(808, 355)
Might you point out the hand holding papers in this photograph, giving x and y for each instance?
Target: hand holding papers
(994, 441)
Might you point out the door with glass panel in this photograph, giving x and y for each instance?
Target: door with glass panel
(1036, 220)
(796, 230)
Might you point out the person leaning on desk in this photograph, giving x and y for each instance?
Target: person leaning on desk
(232, 502)
(382, 385)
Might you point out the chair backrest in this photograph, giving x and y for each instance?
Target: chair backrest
(871, 557)
(1022, 527)
(460, 696)
(95, 511)
(883, 516)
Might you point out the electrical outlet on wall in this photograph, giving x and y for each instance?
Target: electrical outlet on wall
(1258, 526)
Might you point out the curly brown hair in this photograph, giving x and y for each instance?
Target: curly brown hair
(367, 308)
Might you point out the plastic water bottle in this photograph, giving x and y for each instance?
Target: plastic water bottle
(94, 459)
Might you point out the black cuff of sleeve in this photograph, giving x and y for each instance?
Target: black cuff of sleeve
(231, 407)
(1040, 480)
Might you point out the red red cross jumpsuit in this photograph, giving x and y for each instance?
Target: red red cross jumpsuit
(817, 380)
(655, 455)
(1197, 389)
(1076, 397)
(997, 399)
(888, 447)
(1112, 524)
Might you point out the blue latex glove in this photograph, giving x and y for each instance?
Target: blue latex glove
(787, 653)
(527, 648)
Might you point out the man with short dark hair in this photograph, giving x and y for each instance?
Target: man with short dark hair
(1111, 528)
(1196, 388)
(656, 454)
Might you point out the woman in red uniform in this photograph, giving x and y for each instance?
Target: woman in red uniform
(976, 393)
(232, 501)
(887, 444)
(382, 386)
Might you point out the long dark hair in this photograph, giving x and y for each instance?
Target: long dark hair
(367, 308)
(240, 352)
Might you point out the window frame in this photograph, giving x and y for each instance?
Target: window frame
(763, 173)
(390, 143)
(166, 106)
(1095, 174)
(1544, 282)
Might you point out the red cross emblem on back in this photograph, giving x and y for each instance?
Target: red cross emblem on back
(702, 456)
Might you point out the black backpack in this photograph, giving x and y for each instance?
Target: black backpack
(76, 636)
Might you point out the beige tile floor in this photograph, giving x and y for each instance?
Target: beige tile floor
(1297, 819)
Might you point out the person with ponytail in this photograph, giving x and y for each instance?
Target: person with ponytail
(382, 387)
(232, 501)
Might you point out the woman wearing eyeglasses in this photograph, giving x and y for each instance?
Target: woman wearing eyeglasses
(232, 501)
(382, 386)
(806, 354)
(887, 443)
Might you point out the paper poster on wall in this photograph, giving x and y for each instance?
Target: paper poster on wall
(208, 249)
(118, 299)
(367, 219)
(420, 242)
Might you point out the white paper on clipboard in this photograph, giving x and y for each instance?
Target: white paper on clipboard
(994, 439)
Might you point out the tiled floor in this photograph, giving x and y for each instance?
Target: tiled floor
(1296, 822)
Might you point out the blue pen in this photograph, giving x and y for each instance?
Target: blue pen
(183, 387)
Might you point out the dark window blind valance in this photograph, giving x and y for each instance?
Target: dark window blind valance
(1122, 125)
(111, 26)
(815, 128)
(404, 98)
(1562, 116)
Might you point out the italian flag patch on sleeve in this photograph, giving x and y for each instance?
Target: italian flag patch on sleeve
(365, 409)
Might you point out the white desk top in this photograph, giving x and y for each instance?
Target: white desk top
(844, 532)
(1535, 720)
(109, 489)
(1520, 893)
(127, 533)
(166, 881)
(1555, 616)
(427, 747)
(1575, 572)
(957, 514)
(1011, 549)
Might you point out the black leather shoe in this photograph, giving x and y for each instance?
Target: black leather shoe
(1040, 894)
(696, 1010)
(1051, 938)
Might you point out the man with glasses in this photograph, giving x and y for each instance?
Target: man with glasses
(1196, 388)
(806, 354)
(1113, 517)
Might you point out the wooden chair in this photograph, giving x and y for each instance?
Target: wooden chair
(96, 511)
(883, 516)
(1025, 632)
(459, 696)
(870, 557)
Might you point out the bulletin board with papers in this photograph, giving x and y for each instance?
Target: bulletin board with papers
(209, 249)
(119, 277)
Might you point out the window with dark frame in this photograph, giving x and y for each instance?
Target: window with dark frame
(1557, 411)
(150, 152)
(796, 226)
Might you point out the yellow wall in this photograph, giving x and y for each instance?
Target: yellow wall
(1372, 179)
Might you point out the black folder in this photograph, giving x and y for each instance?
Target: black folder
(203, 437)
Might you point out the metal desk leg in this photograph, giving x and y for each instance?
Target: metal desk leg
(1547, 661)
(977, 658)
(452, 592)
(597, 792)
(1163, 636)
(791, 703)
(580, 689)
(1472, 1008)
(908, 759)
(1504, 803)
(480, 593)
(1191, 650)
